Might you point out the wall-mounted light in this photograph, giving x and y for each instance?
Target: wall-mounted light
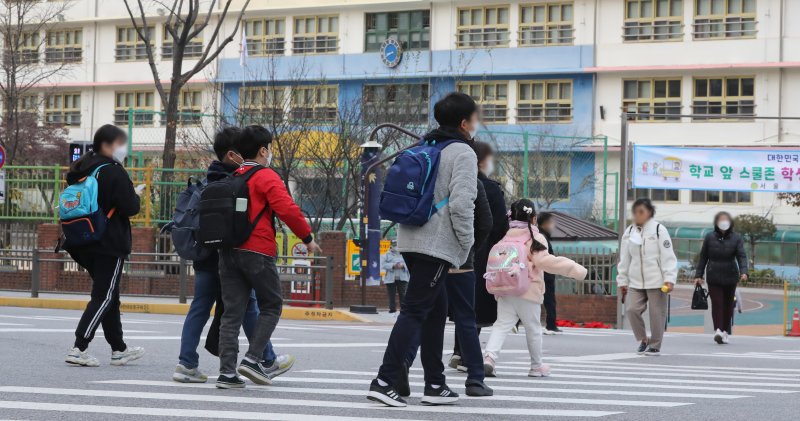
(602, 113)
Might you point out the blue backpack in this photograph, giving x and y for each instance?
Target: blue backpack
(82, 220)
(407, 196)
(186, 222)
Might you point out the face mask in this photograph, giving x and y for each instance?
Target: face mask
(474, 130)
(269, 160)
(636, 238)
(724, 225)
(238, 160)
(488, 168)
(120, 153)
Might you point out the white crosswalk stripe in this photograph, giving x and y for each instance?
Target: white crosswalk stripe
(580, 390)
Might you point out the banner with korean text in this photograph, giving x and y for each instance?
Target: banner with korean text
(665, 167)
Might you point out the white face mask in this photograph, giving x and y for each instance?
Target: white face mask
(724, 225)
(269, 160)
(474, 131)
(636, 237)
(120, 153)
(488, 168)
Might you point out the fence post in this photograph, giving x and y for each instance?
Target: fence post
(56, 190)
(328, 283)
(182, 281)
(130, 134)
(525, 165)
(148, 201)
(605, 181)
(35, 273)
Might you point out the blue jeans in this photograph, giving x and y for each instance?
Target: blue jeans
(206, 292)
(461, 299)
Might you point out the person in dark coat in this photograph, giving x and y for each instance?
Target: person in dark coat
(485, 303)
(547, 224)
(723, 261)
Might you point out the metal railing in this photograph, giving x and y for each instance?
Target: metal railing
(303, 277)
(602, 269)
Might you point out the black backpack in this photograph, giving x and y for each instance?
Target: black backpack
(222, 224)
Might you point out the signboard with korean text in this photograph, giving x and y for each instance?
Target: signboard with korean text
(354, 258)
(751, 170)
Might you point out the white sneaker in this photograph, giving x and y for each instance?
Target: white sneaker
(718, 337)
(542, 371)
(126, 356)
(725, 338)
(81, 358)
(548, 332)
(188, 375)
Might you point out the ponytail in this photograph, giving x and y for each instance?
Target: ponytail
(524, 210)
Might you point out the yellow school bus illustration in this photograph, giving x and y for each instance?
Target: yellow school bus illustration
(671, 168)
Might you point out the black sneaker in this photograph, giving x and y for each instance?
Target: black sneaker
(229, 382)
(441, 396)
(652, 352)
(642, 348)
(478, 388)
(256, 372)
(385, 395)
(403, 388)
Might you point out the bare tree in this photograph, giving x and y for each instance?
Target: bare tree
(185, 20)
(24, 26)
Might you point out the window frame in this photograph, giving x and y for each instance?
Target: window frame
(66, 52)
(266, 44)
(724, 100)
(249, 108)
(634, 194)
(546, 27)
(544, 177)
(190, 113)
(317, 111)
(316, 42)
(400, 106)
(652, 102)
(721, 200)
(632, 29)
(724, 20)
(554, 104)
(137, 47)
(140, 119)
(402, 35)
(194, 48)
(494, 107)
(484, 31)
(65, 114)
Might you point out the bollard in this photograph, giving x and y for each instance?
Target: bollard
(329, 283)
(35, 274)
(182, 281)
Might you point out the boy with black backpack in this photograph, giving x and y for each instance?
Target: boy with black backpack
(205, 262)
(250, 265)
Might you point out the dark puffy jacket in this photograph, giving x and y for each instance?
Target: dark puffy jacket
(548, 277)
(482, 224)
(722, 258)
(485, 303)
(114, 191)
(216, 171)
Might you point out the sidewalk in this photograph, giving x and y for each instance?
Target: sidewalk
(159, 305)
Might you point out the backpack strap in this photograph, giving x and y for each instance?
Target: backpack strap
(250, 173)
(94, 174)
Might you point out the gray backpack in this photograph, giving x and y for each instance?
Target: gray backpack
(186, 222)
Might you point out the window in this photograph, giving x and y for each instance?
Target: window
(483, 27)
(546, 24)
(27, 48)
(64, 46)
(412, 29)
(492, 96)
(129, 46)
(63, 109)
(406, 101)
(733, 197)
(193, 49)
(316, 35)
(653, 20)
(261, 104)
(656, 195)
(719, 19)
(190, 107)
(549, 177)
(139, 101)
(724, 97)
(658, 99)
(265, 36)
(27, 104)
(315, 103)
(543, 101)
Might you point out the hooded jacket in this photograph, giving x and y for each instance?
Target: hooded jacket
(450, 233)
(483, 225)
(216, 171)
(114, 191)
(722, 258)
(651, 264)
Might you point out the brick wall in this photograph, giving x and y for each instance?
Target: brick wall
(587, 308)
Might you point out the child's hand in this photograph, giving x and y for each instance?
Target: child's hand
(139, 189)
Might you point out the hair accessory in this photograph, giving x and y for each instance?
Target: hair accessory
(527, 210)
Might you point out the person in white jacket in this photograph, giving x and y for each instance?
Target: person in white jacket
(647, 263)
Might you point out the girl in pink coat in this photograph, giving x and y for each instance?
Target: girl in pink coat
(528, 306)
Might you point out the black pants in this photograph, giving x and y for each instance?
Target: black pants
(722, 305)
(396, 287)
(423, 314)
(103, 307)
(550, 303)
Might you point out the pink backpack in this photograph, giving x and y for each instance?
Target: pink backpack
(507, 267)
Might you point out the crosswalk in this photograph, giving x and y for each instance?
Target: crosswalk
(600, 389)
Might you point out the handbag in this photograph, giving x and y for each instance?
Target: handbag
(700, 298)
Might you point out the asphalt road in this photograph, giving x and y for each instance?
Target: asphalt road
(595, 375)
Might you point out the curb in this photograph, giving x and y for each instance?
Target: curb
(289, 313)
